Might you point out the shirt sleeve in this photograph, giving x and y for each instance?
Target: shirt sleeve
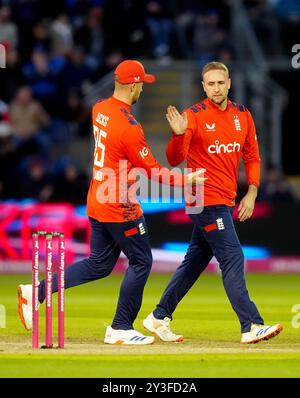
(178, 145)
(139, 154)
(250, 154)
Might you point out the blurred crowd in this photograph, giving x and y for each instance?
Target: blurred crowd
(276, 24)
(55, 51)
(274, 187)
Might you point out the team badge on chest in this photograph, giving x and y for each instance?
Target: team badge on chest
(237, 123)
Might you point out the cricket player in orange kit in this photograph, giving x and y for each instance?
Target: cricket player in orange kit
(117, 221)
(215, 134)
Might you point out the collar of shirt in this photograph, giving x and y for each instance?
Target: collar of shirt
(215, 106)
(121, 103)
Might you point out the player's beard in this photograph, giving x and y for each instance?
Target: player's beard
(219, 101)
(135, 99)
(136, 94)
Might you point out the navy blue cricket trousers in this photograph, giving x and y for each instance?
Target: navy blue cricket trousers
(219, 240)
(107, 242)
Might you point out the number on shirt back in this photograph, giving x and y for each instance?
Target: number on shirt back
(99, 151)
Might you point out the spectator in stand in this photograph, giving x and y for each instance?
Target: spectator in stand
(61, 35)
(76, 115)
(9, 157)
(208, 36)
(185, 12)
(11, 76)
(41, 36)
(275, 187)
(71, 184)
(28, 118)
(8, 29)
(189, 14)
(36, 183)
(159, 21)
(89, 37)
(76, 73)
(42, 75)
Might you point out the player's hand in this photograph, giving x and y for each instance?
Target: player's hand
(246, 207)
(177, 122)
(197, 177)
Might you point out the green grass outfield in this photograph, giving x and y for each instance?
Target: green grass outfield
(205, 318)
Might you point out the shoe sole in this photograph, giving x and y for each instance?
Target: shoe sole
(179, 340)
(269, 336)
(122, 342)
(21, 301)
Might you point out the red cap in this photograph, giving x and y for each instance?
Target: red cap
(130, 71)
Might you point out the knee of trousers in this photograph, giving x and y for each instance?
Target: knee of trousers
(142, 264)
(100, 267)
(231, 260)
(148, 261)
(238, 256)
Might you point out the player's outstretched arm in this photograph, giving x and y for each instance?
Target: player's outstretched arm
(182, 131)
(177, 122)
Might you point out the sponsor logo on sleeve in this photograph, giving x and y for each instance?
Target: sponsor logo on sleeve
(144, 152)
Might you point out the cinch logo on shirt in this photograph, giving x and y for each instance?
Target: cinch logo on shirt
(223, 148)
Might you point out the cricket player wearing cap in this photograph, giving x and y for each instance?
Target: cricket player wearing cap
(118, 224)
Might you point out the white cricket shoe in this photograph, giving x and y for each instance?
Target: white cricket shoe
(260, 332)
(127, 337)
(25, 305)
(161, 327)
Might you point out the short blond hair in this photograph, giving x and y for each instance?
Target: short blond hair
(214, 66)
